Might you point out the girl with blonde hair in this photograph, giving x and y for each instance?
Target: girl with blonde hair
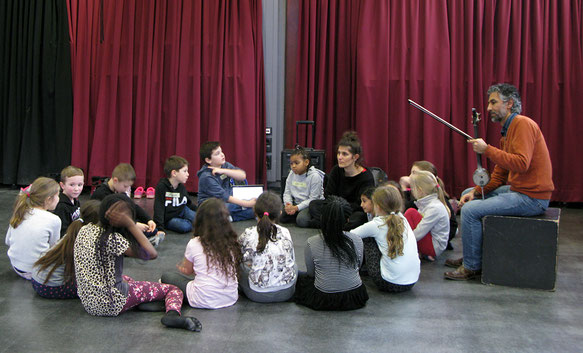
(390, 247)
(33, 229)
(430, 222)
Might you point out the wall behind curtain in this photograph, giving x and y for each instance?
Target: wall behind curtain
(36, 105)
(157, 78)
(357, 63)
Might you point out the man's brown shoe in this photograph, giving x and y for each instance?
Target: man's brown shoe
(462, 274)
(454, 263)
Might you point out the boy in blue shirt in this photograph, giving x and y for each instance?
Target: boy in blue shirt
(173, 208)
(214, 180)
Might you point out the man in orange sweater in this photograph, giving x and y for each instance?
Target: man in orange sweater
(521, 184)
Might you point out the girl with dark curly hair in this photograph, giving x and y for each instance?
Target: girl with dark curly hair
(213, 256)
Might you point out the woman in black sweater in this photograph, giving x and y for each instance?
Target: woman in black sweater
(348, 179)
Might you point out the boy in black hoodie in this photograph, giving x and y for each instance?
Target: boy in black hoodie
(69, 209)
(121, 181)
(173, 208)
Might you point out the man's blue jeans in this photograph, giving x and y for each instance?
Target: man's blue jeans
(182, 223)
(500, 202)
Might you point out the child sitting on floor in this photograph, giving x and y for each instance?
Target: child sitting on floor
(304, 184)
(121, 181)
(33, 229)
(213, 256)
(68, 209)
(390, 247)
(333, 259)
(431, 222)
(99, 256)
(215, 180)
(173, 208)
(366, 202)
(268, 271)
(53, 276)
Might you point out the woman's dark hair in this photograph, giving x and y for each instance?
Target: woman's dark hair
(217, 237)
(62, 252)
(267, 209)
(300, 151)
(335, 212)
(350, 139)
(108, 229)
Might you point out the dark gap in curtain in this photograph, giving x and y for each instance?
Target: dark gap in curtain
(36, 103)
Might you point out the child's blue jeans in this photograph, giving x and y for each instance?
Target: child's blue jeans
(182, 223)
(239, 213)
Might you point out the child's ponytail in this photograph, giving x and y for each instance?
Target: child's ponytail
(62, 252)
(267, 209)
(32, 196)
(441, 195)
(395, 235)
(388, 199)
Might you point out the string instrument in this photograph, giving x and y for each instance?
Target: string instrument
(481, 176)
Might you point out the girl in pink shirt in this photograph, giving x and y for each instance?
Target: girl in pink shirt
(212, 256)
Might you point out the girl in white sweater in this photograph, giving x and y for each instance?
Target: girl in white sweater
(431, 222)
(33, 229)
(390, 248)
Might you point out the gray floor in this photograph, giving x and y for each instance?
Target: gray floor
(437, 315)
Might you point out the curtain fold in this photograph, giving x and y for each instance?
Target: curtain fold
(36, 104)
(359, 61)
(167, 76)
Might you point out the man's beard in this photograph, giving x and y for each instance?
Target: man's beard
(495, 118)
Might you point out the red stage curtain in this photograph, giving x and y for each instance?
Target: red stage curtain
(157, 78)
(359, 61)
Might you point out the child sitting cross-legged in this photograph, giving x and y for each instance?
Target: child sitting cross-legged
(121, 181)
(333, 259)
(213, 256)
(53, 275)
(268, 271)
(215, 179)
(173, 208)
(390, 246)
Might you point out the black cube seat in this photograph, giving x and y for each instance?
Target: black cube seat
(521, 251)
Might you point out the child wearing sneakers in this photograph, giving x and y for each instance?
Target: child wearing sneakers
(214, 180)
(121, 181)
(69, 209)
(173, 208)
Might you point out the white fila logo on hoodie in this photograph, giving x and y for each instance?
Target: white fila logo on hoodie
(173, 199)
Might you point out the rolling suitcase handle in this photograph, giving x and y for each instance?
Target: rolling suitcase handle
(306, 122)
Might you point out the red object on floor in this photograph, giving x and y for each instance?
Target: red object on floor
(425, 245)
(150, 193)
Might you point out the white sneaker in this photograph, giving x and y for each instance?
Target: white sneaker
(157, 239)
